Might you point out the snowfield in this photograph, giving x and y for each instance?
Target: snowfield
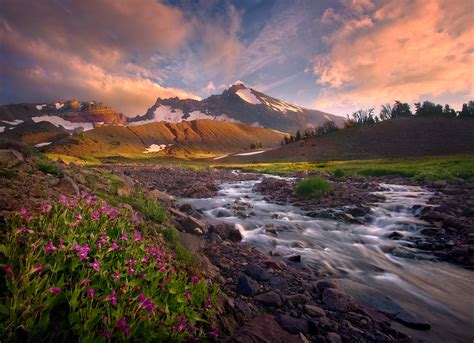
(248, 96)
(58, 105)
(2, 128)
(57, 121)
(155, 148)
(40, 107)
(39, 145)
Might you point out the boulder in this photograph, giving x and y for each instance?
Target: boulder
(224, 229)
(338, 300)
(269, 299)
(246, 286)
(68, 186)
(161, 196)
(263, 329)
(314, 311)
(10, 158)
(257, 273)
(293, 325)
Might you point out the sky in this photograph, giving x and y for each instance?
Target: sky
(333, 55)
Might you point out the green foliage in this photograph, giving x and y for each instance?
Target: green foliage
(149, 208)
(421, 168)
(339, 173)
(183, 255)
(8, 174)
(49, 167)
(80, 271)
(313, 187)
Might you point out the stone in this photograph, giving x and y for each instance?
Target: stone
(278, 282)
(246, 286)
(297, 299)
(440, 183)
(190, 224)
(395, 235)
(243, 307)
(224, 229)
(257, 273)
(333, 337)
(161, 196)
(263, 329)
(338, 300)
(322, 285)
(223, 213)
(294, 258)
(293, 325)
(314, 311)
(68, 186)
(269, 299)
(10, 158)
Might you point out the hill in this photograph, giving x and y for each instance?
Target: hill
(185, 139)
(238, 104)
(401, 137)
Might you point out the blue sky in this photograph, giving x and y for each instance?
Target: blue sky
(337, 56)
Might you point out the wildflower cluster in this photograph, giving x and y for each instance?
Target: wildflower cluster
(78, 270)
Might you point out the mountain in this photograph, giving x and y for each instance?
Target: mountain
(400, 137)
(237, 104)
(38, 123)
(184, 139)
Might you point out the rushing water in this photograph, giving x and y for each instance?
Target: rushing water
(435, 292)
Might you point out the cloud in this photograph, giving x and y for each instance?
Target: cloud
(210, 86)
(104, 50)
(399, 49)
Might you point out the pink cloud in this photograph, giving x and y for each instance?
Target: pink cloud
(398, 50)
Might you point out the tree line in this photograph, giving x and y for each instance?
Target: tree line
(388, 111)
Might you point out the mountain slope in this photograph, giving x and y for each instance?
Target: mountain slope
(185, 139)
(401, 137)
(238, 104)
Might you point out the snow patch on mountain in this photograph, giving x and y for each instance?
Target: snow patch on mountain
(281, 106)
(156, 148)
(58, 121)
(58, 105)
(250, 153)
(14, 122)
(247, 95)
(2, 128)
(40, 107)
(39, 145)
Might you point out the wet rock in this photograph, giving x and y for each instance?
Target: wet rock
(314, 311)
(269, 299)
(263, 329)
(359, 211)
(193, 225)
(395, 235)
(322, 285)
(294, 258)
(293, 325)
(161, 196)
(223, 229)
(68, 186)
(338, 300)
(186, 208)
(223, 213)
(246, 286)
(10, 158)
(257, 273)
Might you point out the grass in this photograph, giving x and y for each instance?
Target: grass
(49, 167)
(8, 174)
(149, 208)
(421, 168)
(79, 270)
(313, 187)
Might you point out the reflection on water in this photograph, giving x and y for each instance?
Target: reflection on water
(435, 292)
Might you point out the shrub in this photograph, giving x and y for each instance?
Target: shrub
(8, 174)
(49, 167)
(149, 208)
(314, 187)
(339, 173)
(79, 271)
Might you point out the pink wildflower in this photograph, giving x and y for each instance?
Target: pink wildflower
(166, 279)
(37, 268)
(78, 216)
(124, 236)
(23, 211)
(49, 248)
(8, 269)
(24, 230)
(181, 326)
(90, 293)
(95, 265)
(214, 333)
(63, 199)
(85, 282)
(106, 334)
(106, 320)
(137, 235)
(55, 290)
(208, 304)
(112, 298)
(122, 323)
(188, 297)
(95, 216)
(46, 208)
(83, 251)
(130, 270)
(114, 246)
(116, 276)
(194, 279)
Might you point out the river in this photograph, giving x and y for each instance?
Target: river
(360, 257)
